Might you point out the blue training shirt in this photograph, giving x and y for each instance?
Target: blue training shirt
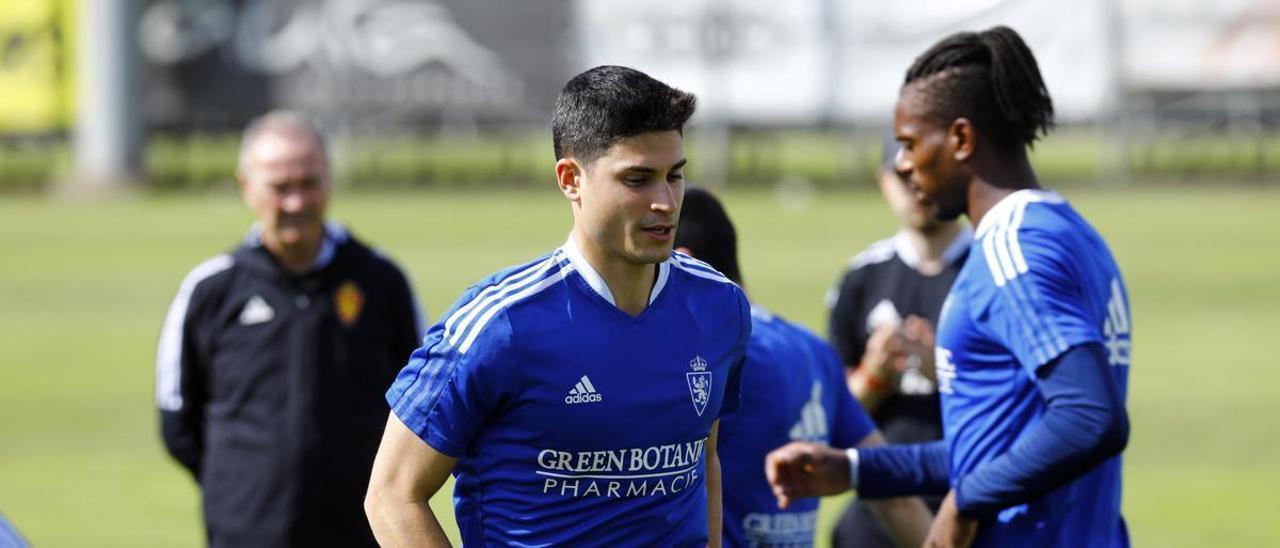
(1039, 281)
(793, 389)
(573, 422)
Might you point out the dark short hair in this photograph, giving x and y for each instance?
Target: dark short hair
(607, 103)
(706, 230)
(989, 77)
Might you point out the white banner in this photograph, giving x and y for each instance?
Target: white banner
(747, 60)
(754, 61)
(796, 63)
(1185, 45)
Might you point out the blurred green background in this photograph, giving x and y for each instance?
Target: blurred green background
(827, 159)
(84, 286)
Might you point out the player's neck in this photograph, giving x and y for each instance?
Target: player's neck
(931, 247)
(996, 180)
(631, 287)
(629, 283)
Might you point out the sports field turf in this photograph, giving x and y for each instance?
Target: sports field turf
(84, 286)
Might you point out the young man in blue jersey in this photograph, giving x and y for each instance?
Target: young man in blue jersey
(575, 398)
(793, 388)
(1033, 343)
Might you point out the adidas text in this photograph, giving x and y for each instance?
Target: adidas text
(583, 398)
(583, 392)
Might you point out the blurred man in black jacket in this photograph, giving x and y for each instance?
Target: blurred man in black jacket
(274, 357)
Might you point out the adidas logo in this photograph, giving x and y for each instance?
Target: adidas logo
(583, 392)
(1116, 327)
(256, 311)
(812, 425)
(883, 314)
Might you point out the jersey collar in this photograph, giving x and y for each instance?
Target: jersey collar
(956, 249)
(596, 281)
(1006, 205)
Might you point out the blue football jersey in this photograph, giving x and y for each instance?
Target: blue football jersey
(793, 389)
(573, 422)
(1039, 281)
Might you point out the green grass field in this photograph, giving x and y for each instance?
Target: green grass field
(84, 286)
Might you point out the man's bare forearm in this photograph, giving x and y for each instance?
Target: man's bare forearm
(404, 524)
(406, 474)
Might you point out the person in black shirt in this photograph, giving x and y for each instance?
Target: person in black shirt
(274, 357)
(882, 314)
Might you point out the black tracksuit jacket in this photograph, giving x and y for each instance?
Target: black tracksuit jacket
(271, 385)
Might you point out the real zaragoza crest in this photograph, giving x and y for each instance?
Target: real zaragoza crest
(699, 384)
(348, 301)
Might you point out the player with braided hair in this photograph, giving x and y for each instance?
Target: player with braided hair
(1033, 342)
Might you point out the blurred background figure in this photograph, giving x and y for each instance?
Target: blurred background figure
(793, 389)
(274, 357)
(882, 317)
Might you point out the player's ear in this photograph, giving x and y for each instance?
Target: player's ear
(569, 178)
(961, 138)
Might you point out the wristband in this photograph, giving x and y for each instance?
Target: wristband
(871, 382)
(853, 467)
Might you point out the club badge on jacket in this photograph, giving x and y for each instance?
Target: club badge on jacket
(348, 301)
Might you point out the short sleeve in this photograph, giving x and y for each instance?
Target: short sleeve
(845, 329)
(733, 384)
(1038, 310)
(449, 389)
(849, 422)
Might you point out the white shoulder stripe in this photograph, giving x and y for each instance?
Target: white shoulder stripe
(1015, 249)
(704, 274)
(169, 352)
(993, 265)
(1001, 237)
(479, 306)
(1000, 245)
(465, 312)
(1000, 211)
(699, 269)
(695, 263)
(1006, 262)
(879, 252)
(479, 325)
